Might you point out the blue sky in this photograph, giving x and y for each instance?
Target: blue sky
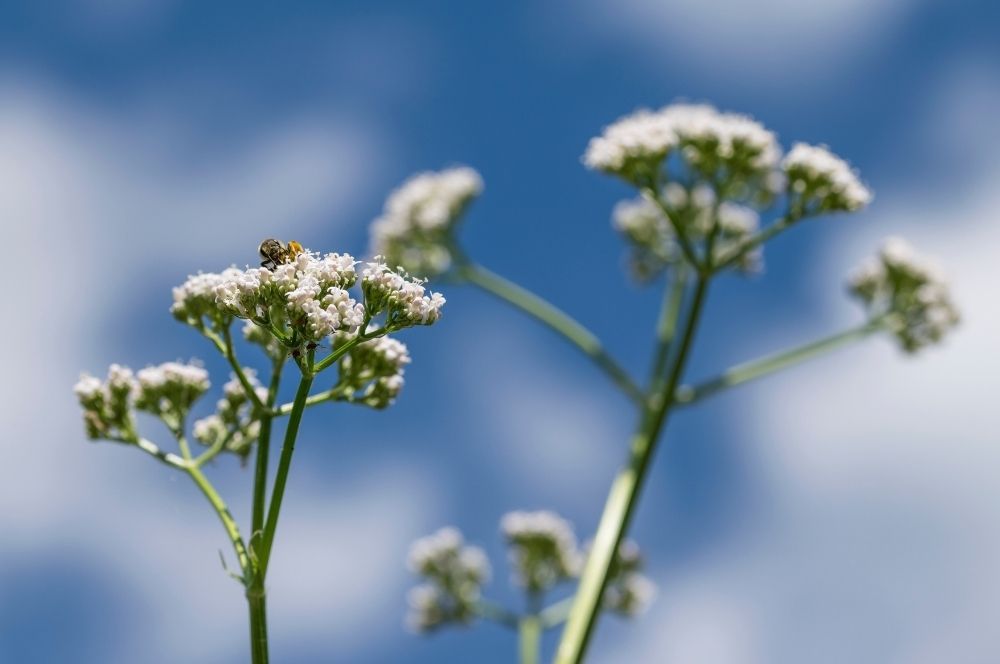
(844, 511)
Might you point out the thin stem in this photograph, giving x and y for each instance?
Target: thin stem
(682, 239)
(667, 324)
(529, 631)
(258, 628)
(230, 352)
(228, 522)
(742, 373)
(490, 611)
(556, 614)
(624, 496)
(284, 463)
(339, 352)
(556, 319)
(737, 252)
(263, 450)
(149, 447)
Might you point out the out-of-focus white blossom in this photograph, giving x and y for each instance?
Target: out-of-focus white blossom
(107, 404)
(653, 240)
(415, 229)
(909, 291)
(821, 181)
(454, 574)
(543, 548)
(633, 146)
(735, 152)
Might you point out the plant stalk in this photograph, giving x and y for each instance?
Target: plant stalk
(624, 496)
(556, 319)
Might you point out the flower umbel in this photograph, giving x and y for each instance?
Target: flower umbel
(543, 550)
(454, 573)
(416, 227)
(909, 292)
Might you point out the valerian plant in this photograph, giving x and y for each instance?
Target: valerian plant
(704, 181)
(292, 311)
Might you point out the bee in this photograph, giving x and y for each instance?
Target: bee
(276, 253)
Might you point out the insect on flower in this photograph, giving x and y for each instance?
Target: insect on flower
(276, 253)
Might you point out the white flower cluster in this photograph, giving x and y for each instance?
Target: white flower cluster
(628, 592)
(632, 144)
(415, 228)
(309, 293)
(371, 373)
(195, 299)
(233, 424)
(726, 146)
(167, 391)
(305, 300)
(405, 301)
(454, 574)
(107, 404)
(910, 291)
(822, 181)
(653, 240)
(543, 548)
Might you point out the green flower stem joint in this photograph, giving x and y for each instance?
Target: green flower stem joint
(290, 311)
(706, 180)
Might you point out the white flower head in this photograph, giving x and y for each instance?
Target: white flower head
(909, 292)
(543, 548)
(170, 389)
(632, 147)
(404, 301)
(823, 181)
(416, 227)
(454, 574)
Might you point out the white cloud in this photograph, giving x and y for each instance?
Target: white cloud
(765, 42)
(557, 433)
(873, 536)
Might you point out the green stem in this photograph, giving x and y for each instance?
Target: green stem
(258, 628)
(342, 350)
(228, 522)
(263, 450)
(667, 324)
(284, 463)
(498, 614)
(149, 447)
(623, 498)
(529, 631)
(555, 319)
(737, 252)
(742, 373)
(556, 614)
(230, 352)
(682, 238)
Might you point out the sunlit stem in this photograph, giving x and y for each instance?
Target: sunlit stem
(529, 632)
(666, 326)
(490, 611)
(742, 373)
(555, 319)
(624, 496)
(734, 254)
